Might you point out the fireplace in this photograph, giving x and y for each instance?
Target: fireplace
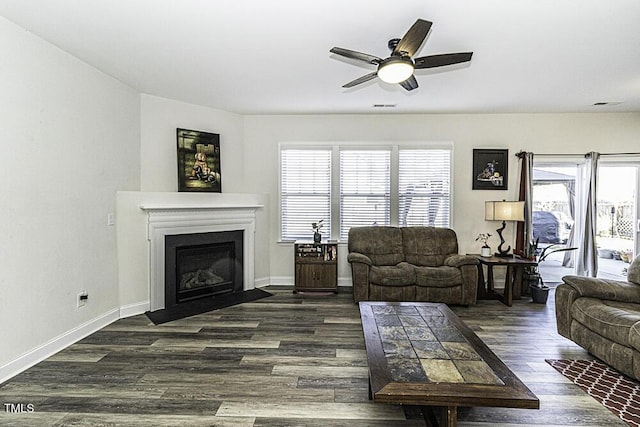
(202, 265)
(172, 222)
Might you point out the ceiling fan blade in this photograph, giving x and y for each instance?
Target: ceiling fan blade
(433, 61)
(362, 79)
(371, 59)
(410, 84)
(410, 43)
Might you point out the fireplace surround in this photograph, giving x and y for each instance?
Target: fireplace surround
(167, 222)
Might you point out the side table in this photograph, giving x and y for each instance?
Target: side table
(512, 281)
(316, 267)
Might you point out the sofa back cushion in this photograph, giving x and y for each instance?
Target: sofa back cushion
(382, 244)
(428, 246)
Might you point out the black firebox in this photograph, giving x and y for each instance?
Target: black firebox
(202, 265)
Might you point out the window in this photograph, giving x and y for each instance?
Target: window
(364, 189)
(373, 185)
(424, 188)
(305, 192)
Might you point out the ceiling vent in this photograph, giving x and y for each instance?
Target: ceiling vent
(607, 103)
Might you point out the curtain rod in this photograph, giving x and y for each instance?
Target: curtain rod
(580, 155)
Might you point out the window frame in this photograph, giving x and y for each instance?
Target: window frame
(393, 147)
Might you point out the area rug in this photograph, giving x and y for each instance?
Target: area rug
(205, 305)
(616, 392)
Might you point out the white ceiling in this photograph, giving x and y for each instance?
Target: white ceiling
(272, 57)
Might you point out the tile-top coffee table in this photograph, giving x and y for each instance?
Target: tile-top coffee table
(423, 354)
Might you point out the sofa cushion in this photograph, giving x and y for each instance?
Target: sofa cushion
(634, 336)
(438, 277)
(428, 246)
(610, 319)
(383, 245)
(401, 274)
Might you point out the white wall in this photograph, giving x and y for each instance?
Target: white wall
(539, 133)
(70, 139)
(159, 119)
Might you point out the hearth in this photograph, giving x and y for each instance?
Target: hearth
(202, 265)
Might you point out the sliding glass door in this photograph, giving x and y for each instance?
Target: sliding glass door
(555, 192)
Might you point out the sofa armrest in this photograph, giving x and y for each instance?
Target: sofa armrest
(360, 267)
(565, 297)
(612, 290)
(358, 257)
(458, 260)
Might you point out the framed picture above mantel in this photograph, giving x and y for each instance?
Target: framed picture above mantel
(490, 169)
(198, 161)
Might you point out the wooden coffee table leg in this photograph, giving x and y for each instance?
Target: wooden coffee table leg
(440, 416)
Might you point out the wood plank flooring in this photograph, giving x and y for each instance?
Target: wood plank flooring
(286, 360)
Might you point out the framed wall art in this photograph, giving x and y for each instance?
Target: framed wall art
(490, 169)
(198, 161)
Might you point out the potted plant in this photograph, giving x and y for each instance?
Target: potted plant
(316, 226)
(485, 251)
(539, 291)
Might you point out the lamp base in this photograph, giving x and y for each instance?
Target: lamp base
(503, 255)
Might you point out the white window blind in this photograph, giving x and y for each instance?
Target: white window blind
(424, 187)
(364, 189)
(305, 192)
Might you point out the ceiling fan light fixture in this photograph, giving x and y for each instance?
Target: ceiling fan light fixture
(395, 69)
(399, 66)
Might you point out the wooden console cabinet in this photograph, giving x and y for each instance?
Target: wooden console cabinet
(316, 267)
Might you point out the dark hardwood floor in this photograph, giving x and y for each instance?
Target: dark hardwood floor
(286, 360)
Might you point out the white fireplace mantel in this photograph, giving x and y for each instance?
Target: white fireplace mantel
(183, 218)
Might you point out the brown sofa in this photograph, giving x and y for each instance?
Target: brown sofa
(410, 264)
(603, 317)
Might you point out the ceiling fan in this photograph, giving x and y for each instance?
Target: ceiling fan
(399, 67)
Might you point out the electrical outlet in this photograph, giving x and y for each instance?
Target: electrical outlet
(83, 297)
(111, 219)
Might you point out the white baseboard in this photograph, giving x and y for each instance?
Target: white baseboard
(289, 281)
(58, 343)
(134, 309)
(345, 282)
(281, 281)
(262, 282)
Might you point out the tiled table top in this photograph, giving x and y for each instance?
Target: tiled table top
(422, 345)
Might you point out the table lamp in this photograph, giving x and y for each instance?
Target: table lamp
(503, 211)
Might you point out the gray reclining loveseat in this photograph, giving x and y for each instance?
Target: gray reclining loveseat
(411, 264)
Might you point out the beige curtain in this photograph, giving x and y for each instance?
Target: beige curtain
(587, 198)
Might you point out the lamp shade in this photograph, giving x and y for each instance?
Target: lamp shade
(503, 211)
